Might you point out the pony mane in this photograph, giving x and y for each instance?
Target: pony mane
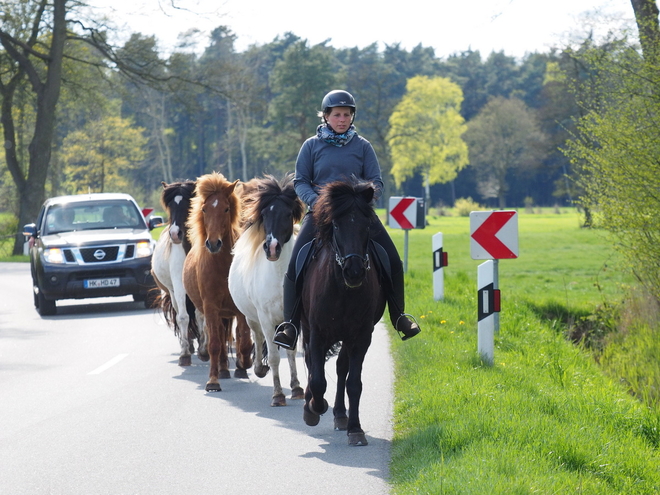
(186, 188)
(338, 199)
(206, 186)
(258, 194)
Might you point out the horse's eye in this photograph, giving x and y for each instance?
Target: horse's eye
(203, 210)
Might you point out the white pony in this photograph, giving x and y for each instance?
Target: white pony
(167, 270)
(261, 257)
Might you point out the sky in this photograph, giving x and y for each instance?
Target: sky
(516, 27)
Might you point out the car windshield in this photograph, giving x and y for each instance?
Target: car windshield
(93, 215)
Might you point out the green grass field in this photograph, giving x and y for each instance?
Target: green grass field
(544, 418)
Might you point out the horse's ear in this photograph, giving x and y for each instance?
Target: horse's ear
(232, 186)
(164, 184)
(368, 194)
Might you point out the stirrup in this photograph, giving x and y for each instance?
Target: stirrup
(414, 327)
(282, 337)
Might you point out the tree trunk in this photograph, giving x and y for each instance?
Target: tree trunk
(32, 191)
(646, 16)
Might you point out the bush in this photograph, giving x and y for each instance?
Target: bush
(465, 205)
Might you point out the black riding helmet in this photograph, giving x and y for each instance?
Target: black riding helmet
(338, 98)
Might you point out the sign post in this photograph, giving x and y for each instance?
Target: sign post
(406, 213)
(439, 261)
(493, 236)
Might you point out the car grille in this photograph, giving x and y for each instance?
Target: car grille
(99, 254)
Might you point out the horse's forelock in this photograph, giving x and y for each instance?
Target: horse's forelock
(206, 186)
(170, 191)
(338, 199)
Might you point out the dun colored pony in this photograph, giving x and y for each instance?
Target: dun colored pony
(167, 269)
(214, 227)
(261, 257)
(342, 301)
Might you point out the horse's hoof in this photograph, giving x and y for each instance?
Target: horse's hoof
(224, 374)
(310, 418)
(297, 393)
(213, 387)
(357, 439)
(185, 360)
(313, 409)
(261, 370)
(240, 373)
(203, 356)
(341, 424)
(278, 400)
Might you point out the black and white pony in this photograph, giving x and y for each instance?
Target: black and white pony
(261, 257)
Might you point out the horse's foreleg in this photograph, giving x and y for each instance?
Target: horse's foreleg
(356, 435)
(261, 353)
(183, 321)
(274, 363)
(216, 346)
(202, 348)
(339, 409)
(225, 340)
(243, 347)
(315, 404)
(296, 390)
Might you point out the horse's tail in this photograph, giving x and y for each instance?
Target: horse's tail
(193, 326)
(169, 312)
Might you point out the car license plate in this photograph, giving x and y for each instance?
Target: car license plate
(101, 283)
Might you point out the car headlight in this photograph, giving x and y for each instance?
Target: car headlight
(143, 249)
(54, 255)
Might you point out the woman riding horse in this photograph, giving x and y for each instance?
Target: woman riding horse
(337, 153)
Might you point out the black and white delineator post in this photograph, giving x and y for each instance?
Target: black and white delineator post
(488, 309)
(439, 261)
(493, 234)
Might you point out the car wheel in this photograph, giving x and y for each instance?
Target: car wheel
(44, 306)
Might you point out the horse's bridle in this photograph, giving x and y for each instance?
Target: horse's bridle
(341, 260)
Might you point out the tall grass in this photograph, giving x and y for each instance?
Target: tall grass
(544, 418)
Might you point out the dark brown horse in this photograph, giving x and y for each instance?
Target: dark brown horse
(342, 301)
(214, 225)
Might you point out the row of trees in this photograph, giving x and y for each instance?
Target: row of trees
(81, 115)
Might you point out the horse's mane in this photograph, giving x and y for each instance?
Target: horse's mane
(340, 198)
(258, 194)
(206, 186)
(186, 188)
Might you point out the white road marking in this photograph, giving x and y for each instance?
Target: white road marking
(108, 365)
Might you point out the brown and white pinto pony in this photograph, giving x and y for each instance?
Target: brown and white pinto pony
(214, 226)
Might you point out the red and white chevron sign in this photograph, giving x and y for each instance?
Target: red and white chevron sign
(494, 235)
(403, 212)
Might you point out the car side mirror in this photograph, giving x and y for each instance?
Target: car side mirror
(155, 222)
(30, 230)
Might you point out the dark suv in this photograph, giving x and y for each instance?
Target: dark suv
(91, 245)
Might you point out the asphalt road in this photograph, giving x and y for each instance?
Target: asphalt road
(92, 401)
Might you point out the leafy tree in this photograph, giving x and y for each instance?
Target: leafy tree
(425, 132)
(299, 81)
(617, 151)
(101, 156)
(503, 138)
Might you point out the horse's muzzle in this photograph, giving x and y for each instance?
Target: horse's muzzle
(213, 247)
(272, 248)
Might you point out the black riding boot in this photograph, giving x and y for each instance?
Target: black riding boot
(286, 334)
(396, 306)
